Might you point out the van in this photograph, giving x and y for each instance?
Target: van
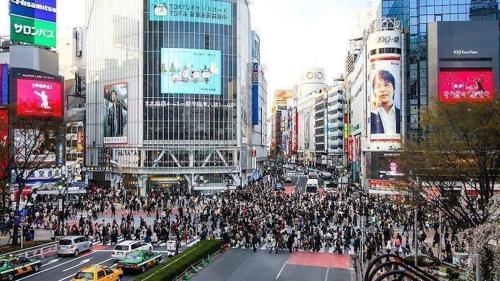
(312, 185)
(73, 245)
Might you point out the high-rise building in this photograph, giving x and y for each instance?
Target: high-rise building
(414, 17)
(169, 94)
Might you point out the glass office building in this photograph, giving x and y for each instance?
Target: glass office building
(169, 92)
(415, 15)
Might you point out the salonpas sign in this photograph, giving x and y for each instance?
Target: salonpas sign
(33, 22)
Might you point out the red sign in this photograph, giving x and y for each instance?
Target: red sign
(4, 137)
(350, 148)
(39, 98)
(466, 85)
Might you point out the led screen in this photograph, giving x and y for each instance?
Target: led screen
(190, 71)
(466, 85)
(199, 11)
(4, 84)
(39, 98)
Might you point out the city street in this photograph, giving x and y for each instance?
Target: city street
(64, 268)
(245, 265)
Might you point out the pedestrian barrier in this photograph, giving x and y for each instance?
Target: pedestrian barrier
(41, 251)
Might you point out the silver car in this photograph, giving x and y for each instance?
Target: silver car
(73, 245)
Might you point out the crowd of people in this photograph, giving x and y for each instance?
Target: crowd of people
(250, 217)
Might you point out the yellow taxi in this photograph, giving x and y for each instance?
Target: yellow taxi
(98, 273)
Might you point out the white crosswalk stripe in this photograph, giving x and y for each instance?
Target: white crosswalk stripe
(322, 250)
(330, 250)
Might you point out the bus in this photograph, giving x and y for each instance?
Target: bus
(312, 185)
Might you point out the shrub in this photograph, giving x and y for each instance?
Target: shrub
(178, 264)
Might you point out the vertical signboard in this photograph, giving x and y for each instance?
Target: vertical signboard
(115, 113)
(4, 144)
(4, 84)
(384, 87)
(33, 22)
(255, 94)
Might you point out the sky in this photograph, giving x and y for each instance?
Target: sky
(295, 34)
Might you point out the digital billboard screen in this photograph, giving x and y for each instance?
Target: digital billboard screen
(466, 85)
(191, 71)
(4, 135)
(39, 98)
(36, 93)
(198, 11)
(115, 113)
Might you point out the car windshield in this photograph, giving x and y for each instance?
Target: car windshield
(3, 263)
(121, 247)
(134, 257)
(85, 276)
(64, 242)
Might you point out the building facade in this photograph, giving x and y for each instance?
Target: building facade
(169, 94)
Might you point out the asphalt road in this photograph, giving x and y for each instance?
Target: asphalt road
(64, 268)
(244, 264)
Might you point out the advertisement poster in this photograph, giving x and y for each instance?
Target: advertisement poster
(35, 146)
(115, 113)
(191, 71)
(4, 84)
(4, 142)
(198, 11)
(385, 87)
(39, 98)
(385, 175)
(35, 9)
(466, 85)
(33, 31)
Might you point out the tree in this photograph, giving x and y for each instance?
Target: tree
(456, 158)
(32, 145)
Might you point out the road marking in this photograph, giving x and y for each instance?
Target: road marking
(80, 264)
(36, 273)
(51, 262)
(192, 243)
(281, 270)
(326, 275)
(322, 250)
(330, 250)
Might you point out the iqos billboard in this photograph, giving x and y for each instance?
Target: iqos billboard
(384, 89)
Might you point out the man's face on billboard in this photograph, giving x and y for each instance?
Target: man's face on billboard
(384, 91)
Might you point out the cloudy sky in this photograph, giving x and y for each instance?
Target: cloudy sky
(295, 34)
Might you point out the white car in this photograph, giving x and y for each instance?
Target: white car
(125, 247)
(73, 245)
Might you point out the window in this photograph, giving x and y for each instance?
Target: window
(108, 271)
(100, 274)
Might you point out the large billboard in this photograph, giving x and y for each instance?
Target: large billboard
(115, 113)
(36, 9)
(385, 87)
(35, 146)
(191, 71)
(33, 31)
(4, 84)
(255, 94)
(385, 175)
(36, 94)
(198, 11)
(466, 85)
(4, 142)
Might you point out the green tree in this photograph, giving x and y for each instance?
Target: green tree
(456, 158)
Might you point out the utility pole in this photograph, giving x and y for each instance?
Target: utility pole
(415, 222)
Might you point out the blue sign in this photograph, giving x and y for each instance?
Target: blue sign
(4, 84)
(255, 94)
(199, 11)
(191, 71)
(35, 9)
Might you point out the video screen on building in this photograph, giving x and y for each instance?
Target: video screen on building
(115, 113)
(190, 71)
(466, 85)
(198, 11)
(39, 98)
